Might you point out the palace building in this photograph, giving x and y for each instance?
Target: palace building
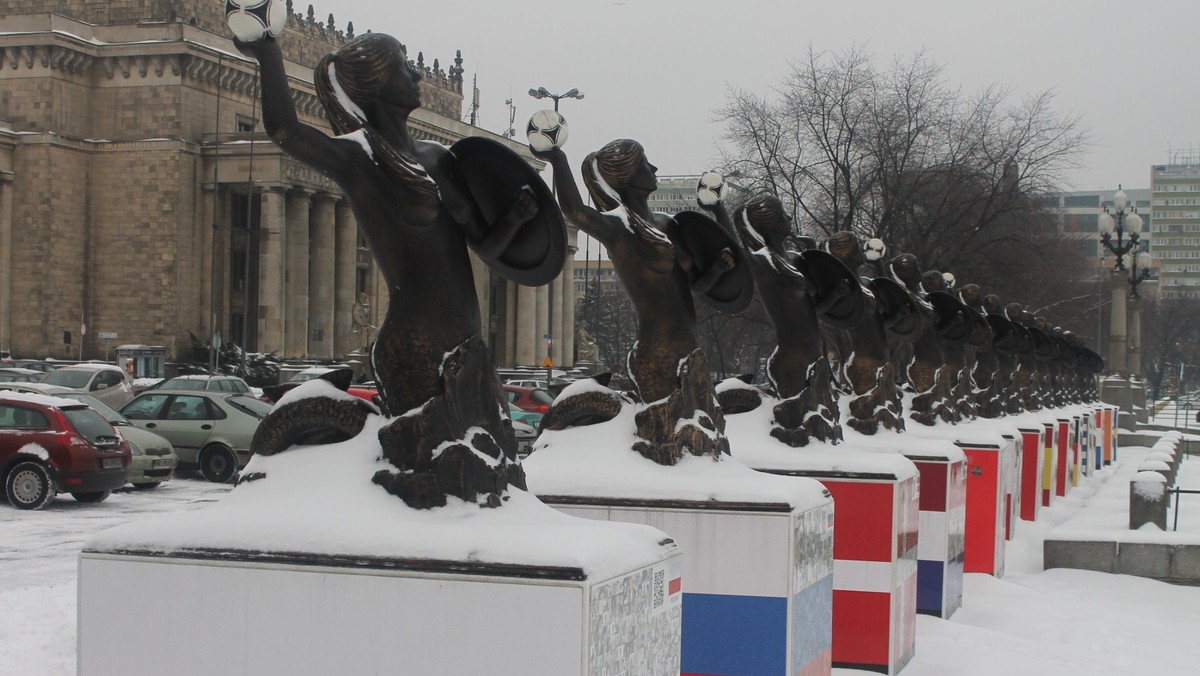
(140, 197)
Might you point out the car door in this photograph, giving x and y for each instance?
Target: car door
(187, 421)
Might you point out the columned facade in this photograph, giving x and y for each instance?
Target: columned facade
(299, 210)
(138, 193)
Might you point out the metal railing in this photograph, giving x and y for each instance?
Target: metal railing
(1177, 491)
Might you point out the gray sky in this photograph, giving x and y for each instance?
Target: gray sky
(654, 70)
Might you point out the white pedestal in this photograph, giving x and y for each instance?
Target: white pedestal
(247, 617)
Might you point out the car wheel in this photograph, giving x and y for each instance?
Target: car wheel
(217, 464)
(29, 485)
(147, 486)
(93, 496)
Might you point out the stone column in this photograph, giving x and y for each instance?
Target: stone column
(296, 277)
(346, 267)
(542, 324)
(6, 259)
(567, 310)
(272, 301)
(321, 277)
(524, 353)
(1135, 339)
(1116, 345)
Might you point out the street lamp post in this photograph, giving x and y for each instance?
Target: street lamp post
(543, 93)
(1139, 271)
(1122, 219)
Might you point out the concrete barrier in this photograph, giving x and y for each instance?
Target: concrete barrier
(1148, 498)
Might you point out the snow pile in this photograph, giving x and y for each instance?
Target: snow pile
(320, 500)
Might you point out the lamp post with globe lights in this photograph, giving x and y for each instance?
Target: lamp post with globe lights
(1122, 219)
(566, 279)
(1120, 231)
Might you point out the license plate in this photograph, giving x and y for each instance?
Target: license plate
(165, 462)
(111, 463)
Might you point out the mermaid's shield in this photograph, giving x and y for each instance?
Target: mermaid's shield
(829, 275)
(492, 174)
(704, 239)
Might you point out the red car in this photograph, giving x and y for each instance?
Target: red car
(530, 399)
(50, 445)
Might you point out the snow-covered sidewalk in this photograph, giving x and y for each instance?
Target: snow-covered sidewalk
(1031, 622)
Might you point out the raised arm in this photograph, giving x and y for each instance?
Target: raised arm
(604, 228)
(307, 144)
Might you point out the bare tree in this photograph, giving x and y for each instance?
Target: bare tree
(958, 180)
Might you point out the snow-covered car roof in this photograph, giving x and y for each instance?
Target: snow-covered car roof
(40, 399)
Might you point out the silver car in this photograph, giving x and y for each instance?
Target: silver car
(105, 381)
(209, 430)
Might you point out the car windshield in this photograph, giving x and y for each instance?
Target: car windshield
(541, 397)
(183, 384)
(110, 414)
(303, 376)
(249, 405)
(68, 378)
(88, 423)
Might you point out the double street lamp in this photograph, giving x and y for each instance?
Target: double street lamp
(543, 93)
(1122, 218)
(1125, 334)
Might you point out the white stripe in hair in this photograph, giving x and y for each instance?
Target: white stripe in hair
(342, 99)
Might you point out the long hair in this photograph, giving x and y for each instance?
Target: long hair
(347, 81)
(608, 170)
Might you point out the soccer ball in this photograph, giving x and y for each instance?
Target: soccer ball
(949, 280)
(710, 189)
(874, 249)
(547, 129)
(254, 20)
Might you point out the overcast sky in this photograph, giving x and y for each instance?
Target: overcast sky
(655, 70)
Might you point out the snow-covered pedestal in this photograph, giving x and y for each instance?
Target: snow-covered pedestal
(940, 531)
(876, 493)
(1032, 458)
(1064, 445)
(758, 549)
(313, 569)
(1110, 433)
(1049, 460)
(990, 472)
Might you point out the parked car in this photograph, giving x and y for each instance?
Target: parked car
(368, 391)
(50, 445)
(526, 435)
(154, 458)
(19, 375)
(529, 399)
(107, 382)
(530, 418)
(204, 382)
(35, 364)
(341, 376)
(556, 385)
(209, 430)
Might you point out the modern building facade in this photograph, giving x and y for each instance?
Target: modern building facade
(136, 197)
(1080, 216)
(1175, 225)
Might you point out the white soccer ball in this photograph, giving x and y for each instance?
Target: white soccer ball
(949, 280)
(254, 20)
(710, 189)
(547, 129)
(874, 249)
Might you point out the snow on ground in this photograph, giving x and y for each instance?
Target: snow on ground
(1031, 622)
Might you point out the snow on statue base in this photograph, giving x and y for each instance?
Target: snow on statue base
(314, 570)
(757, 576)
